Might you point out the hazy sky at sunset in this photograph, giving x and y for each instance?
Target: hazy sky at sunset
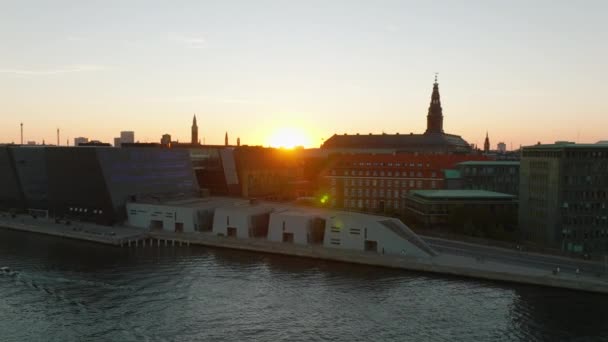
(523, 70)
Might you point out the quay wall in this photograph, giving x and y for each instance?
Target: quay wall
(442, 264)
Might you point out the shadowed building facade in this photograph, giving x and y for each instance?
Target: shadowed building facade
(92, 183)
(564, 196)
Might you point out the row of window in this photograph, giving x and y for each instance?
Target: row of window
(374, 193)
(381, 183)
(375, 173)
(390, 164)
(85, 210)
(352, 231)
(488, 170)
(373, 204)
(574, 233)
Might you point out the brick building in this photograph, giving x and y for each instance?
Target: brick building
(381, 182)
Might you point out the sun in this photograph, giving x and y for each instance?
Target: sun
(288, 137)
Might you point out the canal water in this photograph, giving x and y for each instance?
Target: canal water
(63, 290)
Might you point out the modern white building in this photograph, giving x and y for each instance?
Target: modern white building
(238, 218)
(176, 216)
(294, 226)
(242, 221)
(383, 235)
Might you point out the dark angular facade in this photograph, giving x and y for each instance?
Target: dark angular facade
(11, 196)
(91, 183)
(30, 165)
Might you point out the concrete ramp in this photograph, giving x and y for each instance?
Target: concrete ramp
(403, 231)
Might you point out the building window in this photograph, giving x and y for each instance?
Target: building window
(333, 181)
(433, 184)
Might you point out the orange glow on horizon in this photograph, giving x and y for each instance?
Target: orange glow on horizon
(289, 137)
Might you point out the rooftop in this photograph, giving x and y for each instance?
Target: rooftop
(567, 145)
(460, 194)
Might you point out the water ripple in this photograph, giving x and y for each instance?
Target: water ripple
(60, 291)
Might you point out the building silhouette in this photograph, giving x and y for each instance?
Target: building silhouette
(501, 147)
(80, 140)
(194, 140)
(434, 140)
(127, 137)
(434, 120)
(486, 144)
(165, 140)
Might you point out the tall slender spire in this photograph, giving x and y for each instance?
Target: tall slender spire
(486, 144)
(434, 119)
(194, 139)
(226, 139)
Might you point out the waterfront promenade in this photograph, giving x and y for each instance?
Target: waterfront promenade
(473, 263)
(74, 230)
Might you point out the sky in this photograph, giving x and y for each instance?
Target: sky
(270, 71)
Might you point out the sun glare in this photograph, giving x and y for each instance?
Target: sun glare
(288, 137)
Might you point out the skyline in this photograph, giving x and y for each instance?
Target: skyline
(343, 67)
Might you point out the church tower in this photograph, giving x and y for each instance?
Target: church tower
(434, 120)
(194, 131)
(226, 139)
(486, 144)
